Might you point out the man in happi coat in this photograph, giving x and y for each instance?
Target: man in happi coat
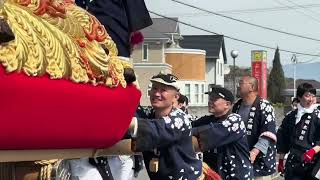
(164, 135)
(259, 117)
(223, 133)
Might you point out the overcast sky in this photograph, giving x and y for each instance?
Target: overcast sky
(302, 20)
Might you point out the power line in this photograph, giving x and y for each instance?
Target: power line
(301, 12)
(307, 62)
(313, 58)
(303, 7)
(232, 38)
(253, 10)
(245, 22)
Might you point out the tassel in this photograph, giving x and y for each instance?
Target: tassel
(209, 173)
(136, 38)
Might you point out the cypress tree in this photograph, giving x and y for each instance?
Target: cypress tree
(276, 80)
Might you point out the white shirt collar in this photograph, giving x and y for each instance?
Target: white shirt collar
(302, 111)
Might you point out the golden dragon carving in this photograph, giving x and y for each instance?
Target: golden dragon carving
(61, 39)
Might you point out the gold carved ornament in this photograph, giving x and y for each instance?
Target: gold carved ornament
(61, 39)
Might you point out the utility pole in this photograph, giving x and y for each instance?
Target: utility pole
(234, 54)
(294, 61)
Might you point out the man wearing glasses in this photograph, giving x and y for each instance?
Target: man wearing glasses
(259, 117)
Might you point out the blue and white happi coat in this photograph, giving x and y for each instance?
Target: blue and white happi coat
(227, 136)
(169, 140)
(261, 124)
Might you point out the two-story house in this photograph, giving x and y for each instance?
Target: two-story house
(149, 57)
(189, 65)
(199, 64)
(216, 57)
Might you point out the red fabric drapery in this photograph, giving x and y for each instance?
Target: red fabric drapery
(40, 113)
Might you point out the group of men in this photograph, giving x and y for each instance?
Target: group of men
(239, 141)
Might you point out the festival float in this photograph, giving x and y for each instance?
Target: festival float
(63, 90)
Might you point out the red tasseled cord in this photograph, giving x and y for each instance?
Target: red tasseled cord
(136, 38)
(209, 173)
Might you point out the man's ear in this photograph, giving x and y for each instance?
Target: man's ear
(229, 103)
(177, 95)
(253, 88)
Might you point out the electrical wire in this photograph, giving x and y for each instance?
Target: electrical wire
(253, 10)
(314, 58)
(246, 22)
(301, 12)
(232, 38)
(302, 6)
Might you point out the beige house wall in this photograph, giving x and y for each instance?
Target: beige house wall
(137, 54)
(155, 53)
(146, 69)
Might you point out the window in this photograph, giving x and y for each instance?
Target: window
(187, 91)
(145, 52)
(221, 69)
(196, 93)
(202, 93)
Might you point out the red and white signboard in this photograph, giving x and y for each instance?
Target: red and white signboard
(260, 70)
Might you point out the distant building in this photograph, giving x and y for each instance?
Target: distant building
(149, 57)
(198, 61)
(216, 57)
(189, 65)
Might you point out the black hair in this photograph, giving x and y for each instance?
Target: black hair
(295, 100)
(129, 75)
(183, 99)
(305, 87)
